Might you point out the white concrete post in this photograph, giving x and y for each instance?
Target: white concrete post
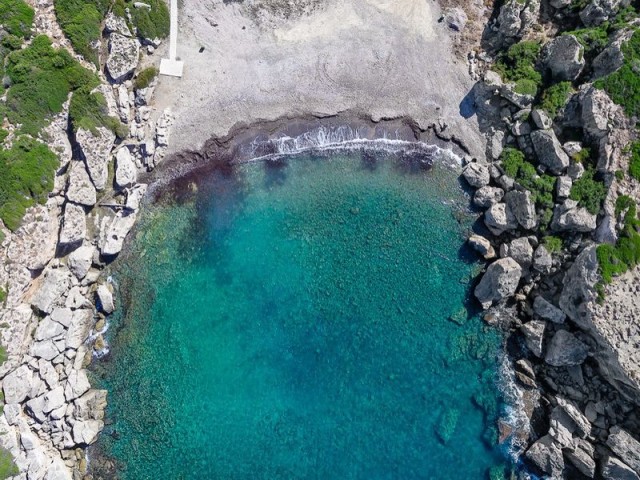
(170, 66)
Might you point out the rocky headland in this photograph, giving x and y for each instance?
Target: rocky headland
(551, 185)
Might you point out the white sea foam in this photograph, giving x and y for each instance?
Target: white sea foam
(344, 137)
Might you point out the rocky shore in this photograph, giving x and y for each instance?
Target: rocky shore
(57, 302)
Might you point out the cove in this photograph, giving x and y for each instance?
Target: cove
(303, 318)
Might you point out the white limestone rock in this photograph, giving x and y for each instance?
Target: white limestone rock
(499, 282)
(549, 151)
(126, 172)
(54, 283)
(17, 384)
(97, 153)
(123, 56)
(77, 385)
(80, 189)
(74, 225)
(80, 260)
(117, 232)
(499, 218)
(105, 299)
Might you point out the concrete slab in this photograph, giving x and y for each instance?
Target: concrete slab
(172, 68)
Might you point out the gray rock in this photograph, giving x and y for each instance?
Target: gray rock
(563, 186)
(548, 311)
(96, 150)
(598, 110)
(541, 119)
(77, 385)
(549, 151)
(91, 405)
(560, 4)
(625, 446)
(575, 171)
(499, 218)
(508, 92)
(582, 459)
(565, 350)
(579, 287)
(123, 57)
(54, 399)
(80, 260)
(64, 316)
(46, 349)
(58, 471)
(599, 11)
(564, 57)
(580, 424)
(74, 225)
(499, 282)
(116, 24)
(614, 469)
(35, 409)
(126, 172)
(611, 58)
(547, 456)
(48, 329)
(54, 283)
(572, 148)
(482, 246)
(117, 232)
(495, 141)
(17, 384)
(569, 217)
(76, 299)
(520, 250)
(542, 260)
(455, 19)
(477, 174)
(533, 332)
(487, 196)
(80, 189)
(79, 328)
(523, 208)
(513, 22)
(86, 432)
(105, 299)
(135, 196)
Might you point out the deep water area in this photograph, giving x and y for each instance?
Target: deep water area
(303, 318)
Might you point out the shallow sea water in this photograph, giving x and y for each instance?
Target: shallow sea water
(292, 321)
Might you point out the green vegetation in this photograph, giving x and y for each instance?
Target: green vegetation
(3, 295)
(89, 110)
(81, 22)
(149, 23)
(41, 79)
(447, 424)
(555, 97)
(589, 192)
(27, 178)
(7, 467)
(145, 77)
(517, 167)
(518, 65)
(552, 244)
(16, 17)
(617, 259)
(594, 40)
(634, 162)
(623, 85)
(582, 156)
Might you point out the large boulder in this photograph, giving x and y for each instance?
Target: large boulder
(580, 455)
(81, 323)
(564, 57)
(499, 219)
(533, 332)
(54, 283)
(77, 384)
(542, 260)
(549, 151)
(565, 350)
(105, 299)
(569, 217)
(80, 260)
(523, 207)
(80, 189)
(483, 246)
(17, 384)
(546, 455)
(33, 244)
(86, 432)
(514, 20)
(74, 225)
(123, 56)
(115, 24)
(580, 287)
(614, 469)
(548, 311)
(96, 150)
(598, 113)
(520, 250)
(599, 11)
(499, 282)
(126, 172)
(625, 446)
(487, 196)
(117, 232)
(91, 405)
(611, 58)
(477, 174)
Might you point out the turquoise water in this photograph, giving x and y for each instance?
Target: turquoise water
(291, 321)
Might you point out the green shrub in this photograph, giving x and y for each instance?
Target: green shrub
(3, 297)
(27, 178)
(151, 23)
(623, 85)
(552, 244)
(16, 17)
(7, 467)
(3, 354)
(541, 187)
(81, 22)
(145, 77)
(512, 159)
(589, 192)
(3, 135)
(42, 78)
(525, 86)
(594, 40)
(583, 155)
(555, 97)
(619, 175)
(518, 64)
(634, 162)
(89, 110)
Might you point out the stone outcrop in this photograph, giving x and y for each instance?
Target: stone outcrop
(123, 56)
(476, 174)
(483, 246)
(499, 219)
(523, 208)
(569, 217)
(565, 350)
(548, 311)
(80, 188)
(96, 150)
(126, 172)
(625, 446)
(499, 282)
(546, 455)
(486, 196)
(549, 151)
(74, 225)
(564, 57)
(116, 232)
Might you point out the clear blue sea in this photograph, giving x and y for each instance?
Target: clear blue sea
(293, 321)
